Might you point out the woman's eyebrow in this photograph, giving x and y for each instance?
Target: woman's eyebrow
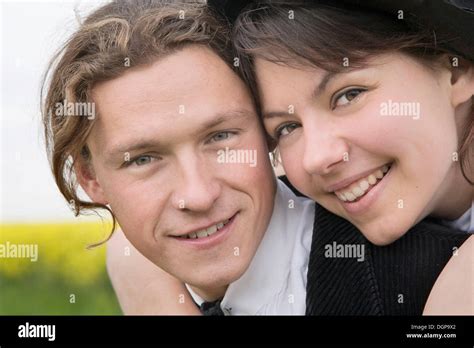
(318, 90)
(327, 77)
(321, 87)
(330, 76)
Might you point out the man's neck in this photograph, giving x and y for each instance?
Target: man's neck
(210, 294)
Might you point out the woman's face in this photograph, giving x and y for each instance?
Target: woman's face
(376, 145)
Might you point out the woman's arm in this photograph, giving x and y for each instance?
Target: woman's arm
(142, 287)
(453, 292)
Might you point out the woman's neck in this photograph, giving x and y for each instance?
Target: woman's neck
(455, 199)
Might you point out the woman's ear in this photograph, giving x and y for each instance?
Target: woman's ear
(462, 81)
(88, 180)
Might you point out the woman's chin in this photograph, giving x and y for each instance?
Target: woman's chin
(384, 233)
(382, 229)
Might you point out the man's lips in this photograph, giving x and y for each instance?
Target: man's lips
(204, 230)
(209, 242)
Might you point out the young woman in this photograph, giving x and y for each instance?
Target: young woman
(373, 120)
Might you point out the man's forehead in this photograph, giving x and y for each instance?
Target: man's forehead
(185, 68)
(197, 79)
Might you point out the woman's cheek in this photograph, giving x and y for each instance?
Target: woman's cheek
(292, 161)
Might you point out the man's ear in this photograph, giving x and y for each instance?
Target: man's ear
(462, 82)
(87, 179)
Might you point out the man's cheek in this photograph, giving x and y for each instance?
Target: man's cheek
(131, 207)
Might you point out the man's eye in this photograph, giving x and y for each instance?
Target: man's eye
(285, 129)
(348, 96)
(221, 136)
(141, 160)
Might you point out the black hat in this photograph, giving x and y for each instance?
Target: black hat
(452, 21)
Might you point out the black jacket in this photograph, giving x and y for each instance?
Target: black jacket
(392, 280)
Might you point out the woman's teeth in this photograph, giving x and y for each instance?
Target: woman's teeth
(206, 232)
(362, 186)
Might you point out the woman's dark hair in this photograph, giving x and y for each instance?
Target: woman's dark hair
(319, 34)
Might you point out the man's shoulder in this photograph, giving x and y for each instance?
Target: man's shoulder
(283, 179)
(290, 195)
(293, 219)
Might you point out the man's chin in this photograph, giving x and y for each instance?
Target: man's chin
(215, 282)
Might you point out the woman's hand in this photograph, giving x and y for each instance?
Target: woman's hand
(453, 292)
(143, 288)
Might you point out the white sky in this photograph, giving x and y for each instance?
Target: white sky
(30, 32)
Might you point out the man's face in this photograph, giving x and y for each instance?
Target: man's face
(164, 153)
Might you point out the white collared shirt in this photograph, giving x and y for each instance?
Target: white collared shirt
(275, 282)
(465, 222)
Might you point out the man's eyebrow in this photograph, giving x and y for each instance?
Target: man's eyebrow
(122, 150)
(142, 144)
(320, 88)
(222, 117)
(272, 114)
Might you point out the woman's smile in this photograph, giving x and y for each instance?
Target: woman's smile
(359, 196)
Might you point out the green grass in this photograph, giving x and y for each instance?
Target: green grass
(64, 268)
(46, 294)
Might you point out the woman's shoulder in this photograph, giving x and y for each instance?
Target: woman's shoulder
(453, 292)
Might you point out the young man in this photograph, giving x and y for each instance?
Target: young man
(177, 152)
(197, 208)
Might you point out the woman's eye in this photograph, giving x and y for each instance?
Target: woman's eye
(285, 129)
(348, 96)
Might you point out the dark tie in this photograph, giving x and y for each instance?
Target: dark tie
(211, 308)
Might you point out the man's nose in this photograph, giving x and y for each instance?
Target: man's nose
(197, 189)
(323, 150)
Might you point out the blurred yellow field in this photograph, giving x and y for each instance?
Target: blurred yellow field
(64, 263)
